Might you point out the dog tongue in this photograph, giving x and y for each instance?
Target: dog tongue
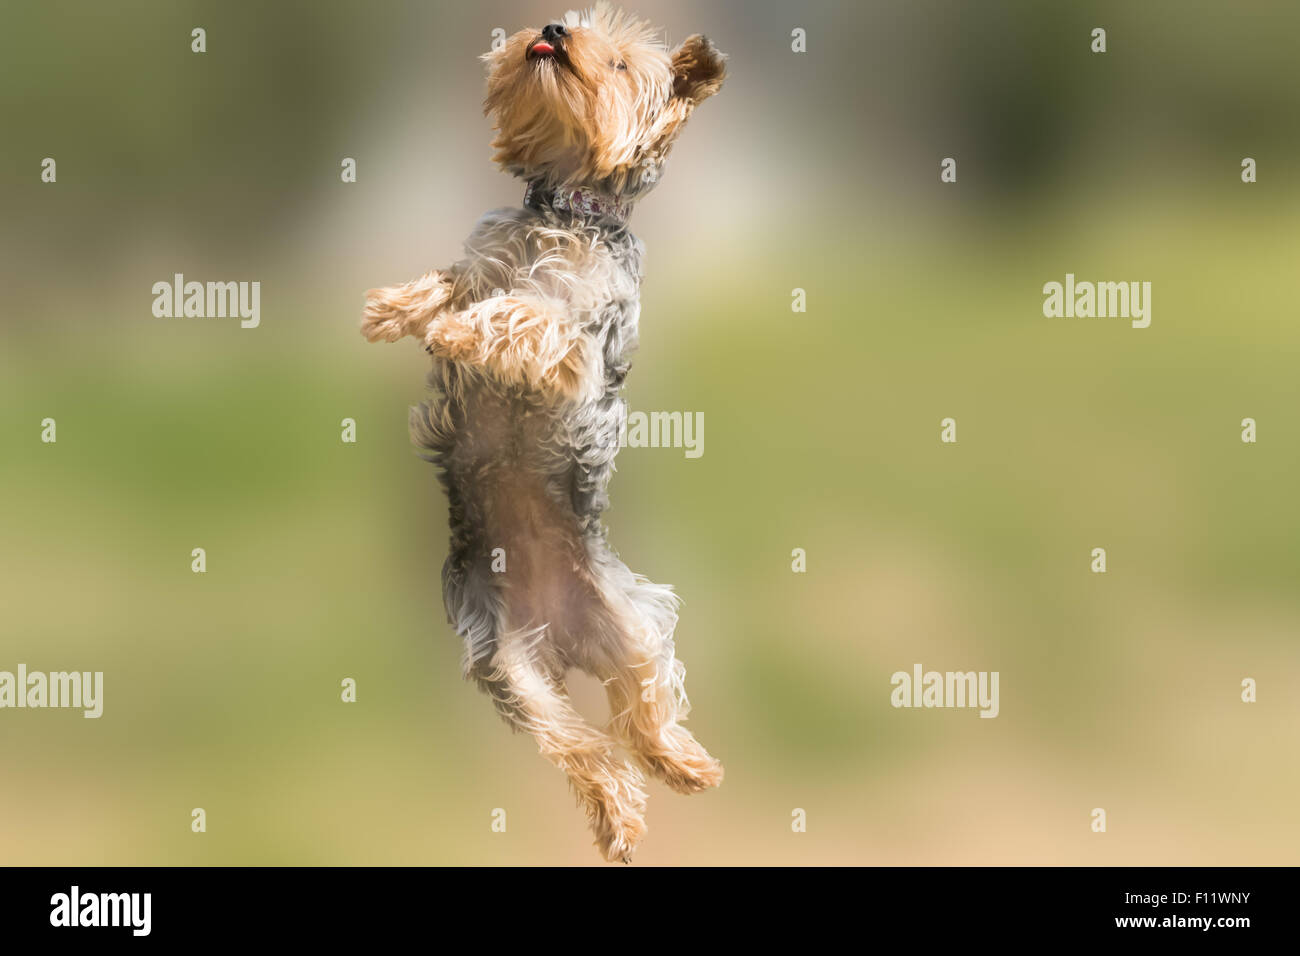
(541, 46)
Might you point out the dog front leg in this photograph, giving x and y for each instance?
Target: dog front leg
(519, 340)
(397, 311)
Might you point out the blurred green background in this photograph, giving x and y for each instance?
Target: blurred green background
(817, 170)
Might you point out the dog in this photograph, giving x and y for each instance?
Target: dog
(530, 336)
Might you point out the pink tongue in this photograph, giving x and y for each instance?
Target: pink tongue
(541, 46)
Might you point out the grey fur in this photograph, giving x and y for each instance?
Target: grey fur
(481, 433)
(531, 336)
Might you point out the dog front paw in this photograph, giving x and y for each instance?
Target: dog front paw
(383, 319)
(397, 311)
(451, 339)
(518, 343)
(568, 379)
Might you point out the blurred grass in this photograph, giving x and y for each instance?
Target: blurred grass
(821, 433)
(222, 689)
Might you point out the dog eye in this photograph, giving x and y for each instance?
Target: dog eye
(619, 66)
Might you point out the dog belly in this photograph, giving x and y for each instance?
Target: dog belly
(546, 579)
(515, 531)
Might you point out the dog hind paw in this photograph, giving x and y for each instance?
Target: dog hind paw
(686, 767)
(617, 815)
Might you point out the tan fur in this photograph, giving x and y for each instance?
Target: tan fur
(530, 335)
(598, 124)
(610, 791)
(393, 313)
(523, 341)
(645, 711)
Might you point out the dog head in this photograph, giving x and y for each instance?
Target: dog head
(595, 99)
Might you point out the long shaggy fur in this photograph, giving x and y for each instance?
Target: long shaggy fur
(530, 336)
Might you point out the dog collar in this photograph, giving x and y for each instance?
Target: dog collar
(578, 202)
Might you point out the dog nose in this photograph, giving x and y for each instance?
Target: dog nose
(554, 31)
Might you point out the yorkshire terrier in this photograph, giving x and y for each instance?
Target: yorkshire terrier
(530, 335)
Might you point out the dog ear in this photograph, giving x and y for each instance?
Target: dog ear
(699, 68)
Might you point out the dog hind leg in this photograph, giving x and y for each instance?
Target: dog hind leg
(645, 682)
(532, 699)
